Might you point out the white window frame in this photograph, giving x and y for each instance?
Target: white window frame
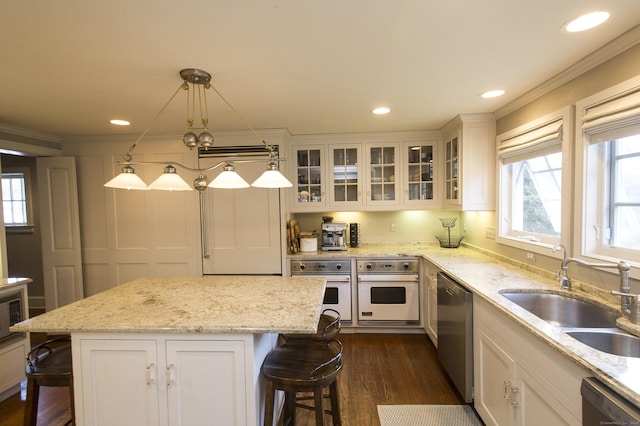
(612, 113)
(550, 133)
(28, 227)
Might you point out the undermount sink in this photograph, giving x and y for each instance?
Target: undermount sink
(565, 311)
(611, 341)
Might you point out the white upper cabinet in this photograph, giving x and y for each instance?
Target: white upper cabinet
(470, 162)
(366, 171)
(309, 182)
(345, 176)
(382, 170)
(420, 177)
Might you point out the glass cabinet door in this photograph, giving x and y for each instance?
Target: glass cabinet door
(346, 181)
(420, 172)
(383, 168)
(451, 169)
(309, 175)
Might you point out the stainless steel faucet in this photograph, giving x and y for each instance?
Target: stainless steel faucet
(629, 303)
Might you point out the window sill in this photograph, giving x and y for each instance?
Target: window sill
(26, 229)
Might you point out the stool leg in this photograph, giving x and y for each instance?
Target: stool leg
(31, 407)
(290, 408)
(335, 407)
(268, 404)
(318, 406)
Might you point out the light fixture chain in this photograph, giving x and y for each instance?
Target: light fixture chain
(246, 123)
(205, 116)
(190, 102)
(132, 147)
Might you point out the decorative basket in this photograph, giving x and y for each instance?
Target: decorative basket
(448, 222)
(449, 241)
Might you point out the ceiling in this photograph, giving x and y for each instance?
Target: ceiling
(69, 66)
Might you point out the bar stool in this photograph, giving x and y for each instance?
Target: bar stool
(328, 328)
(48, 364)
(303, 366)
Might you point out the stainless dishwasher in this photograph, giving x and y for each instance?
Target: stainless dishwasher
(455, 334)
(602, 406)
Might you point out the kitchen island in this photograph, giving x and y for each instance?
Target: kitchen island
(164, 351)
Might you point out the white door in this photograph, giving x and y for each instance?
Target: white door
(117, 382)
(241, 227)
(61, 258)
(205, 379)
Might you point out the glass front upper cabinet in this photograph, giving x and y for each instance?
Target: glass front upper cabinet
(309, 189)
(382, 165)
(420, 172)
(346, 182)
(451, 169)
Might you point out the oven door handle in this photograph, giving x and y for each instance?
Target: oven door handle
(387, 278)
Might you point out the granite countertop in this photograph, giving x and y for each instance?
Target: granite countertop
(221, 304)
(486, 275)
(11, 282)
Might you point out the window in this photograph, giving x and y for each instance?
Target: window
(608, 195)
(532, 166)
(16, 205)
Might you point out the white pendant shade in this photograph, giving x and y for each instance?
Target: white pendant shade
(128, 179)
(228, 179)
(272, 179)
(170, 181)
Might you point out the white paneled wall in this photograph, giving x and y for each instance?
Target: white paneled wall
(131, 234)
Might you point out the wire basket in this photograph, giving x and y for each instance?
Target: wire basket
(448, 222)
(449, 241)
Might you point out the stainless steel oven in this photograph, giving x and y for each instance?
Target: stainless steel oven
(337, 295)
(10, 313)
(388, 291)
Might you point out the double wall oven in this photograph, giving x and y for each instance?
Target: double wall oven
(388, 291)
(337, 295)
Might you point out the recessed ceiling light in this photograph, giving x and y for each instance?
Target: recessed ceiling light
(120, 122)
(586, 22)
(381, 110)
(492, 94)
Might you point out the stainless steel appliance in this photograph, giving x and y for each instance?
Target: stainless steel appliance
(388, 291)
(455, 334)
(10, 314)
(337, 295)
(334, 236)
(603, 406)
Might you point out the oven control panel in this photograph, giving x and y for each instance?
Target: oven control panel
(301, 267)
(386, 266)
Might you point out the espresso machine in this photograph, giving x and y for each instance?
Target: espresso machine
(334, 236)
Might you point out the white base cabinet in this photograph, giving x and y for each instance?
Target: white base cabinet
(430, 301)
(518, 380)
(140, 379)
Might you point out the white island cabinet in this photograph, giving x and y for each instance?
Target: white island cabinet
(180, 351)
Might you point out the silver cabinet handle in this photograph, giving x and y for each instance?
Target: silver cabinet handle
(203, 226)
(150, 379)
(170, 381)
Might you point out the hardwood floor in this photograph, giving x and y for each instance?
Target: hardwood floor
(387, 369)
(378, 369)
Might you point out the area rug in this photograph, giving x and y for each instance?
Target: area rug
(427, 415)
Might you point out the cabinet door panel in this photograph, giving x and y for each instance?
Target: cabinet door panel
(537, 408)
(119, 382)
(492, 378)
(206, 380)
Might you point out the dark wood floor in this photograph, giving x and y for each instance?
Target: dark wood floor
(378, 369)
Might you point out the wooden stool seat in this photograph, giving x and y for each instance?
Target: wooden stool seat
(328, 328)
(303, 366)
(48, 364)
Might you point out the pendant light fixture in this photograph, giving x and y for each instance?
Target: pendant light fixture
(196, 82)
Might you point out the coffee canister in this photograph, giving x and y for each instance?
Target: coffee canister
(308, 244)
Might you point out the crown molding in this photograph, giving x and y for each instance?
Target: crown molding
(615, 47)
